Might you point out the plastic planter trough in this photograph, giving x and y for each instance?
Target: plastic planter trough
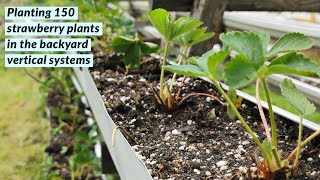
(100, 148)
(128, 164)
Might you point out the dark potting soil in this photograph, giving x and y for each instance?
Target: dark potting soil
(197, 140)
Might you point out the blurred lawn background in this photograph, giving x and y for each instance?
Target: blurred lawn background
(24, 133)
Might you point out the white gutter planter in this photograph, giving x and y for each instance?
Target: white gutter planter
(250, 21)
(128, 164)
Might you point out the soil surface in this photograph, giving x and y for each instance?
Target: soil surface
(197, 140)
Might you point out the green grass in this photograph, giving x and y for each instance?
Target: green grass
(2, 36)
(282, 103)
(24, 134)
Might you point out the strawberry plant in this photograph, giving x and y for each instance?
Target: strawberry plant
(113, 20)
(83, 160)
(66, 112)
(132, 49)
(249, 65)
(185, 32)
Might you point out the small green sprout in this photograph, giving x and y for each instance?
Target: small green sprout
(232, 94)
(83, 161)
(249, 65)
(132, 49)
(187, 40)
(299, 102)
(185, 32)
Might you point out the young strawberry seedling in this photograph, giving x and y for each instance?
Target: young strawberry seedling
(185, 32)
(299, 102)
(249, 65)
(132, 49)
(187, 40)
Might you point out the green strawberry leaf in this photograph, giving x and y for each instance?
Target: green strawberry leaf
(232, 94)
(247, 43)
(209, 61)
(270, 156)
(268, 147)
(132, 56)
(122, 43)
(239, 72)
(265, 38)
(291, 42)
(183, 25)
(230, 113)
(203, 61)
(187, 70)
(296, 98)
(162, 21)
(215, 60)
(191, 38)
(293, 63)
(192, 60)
(148, 47)
(132, 49)
(218, 74)
(85, 157)
(82, 135)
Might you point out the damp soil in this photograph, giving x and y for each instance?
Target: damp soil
(197, 140)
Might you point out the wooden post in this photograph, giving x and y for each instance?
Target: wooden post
(210, 12)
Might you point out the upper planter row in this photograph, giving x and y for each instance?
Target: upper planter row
(247, 67)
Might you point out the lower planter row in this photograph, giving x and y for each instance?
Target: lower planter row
(124, 158)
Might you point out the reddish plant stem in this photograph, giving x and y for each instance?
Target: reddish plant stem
(271, 114)
(263, 117)
(202, 94)
(180, 87)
